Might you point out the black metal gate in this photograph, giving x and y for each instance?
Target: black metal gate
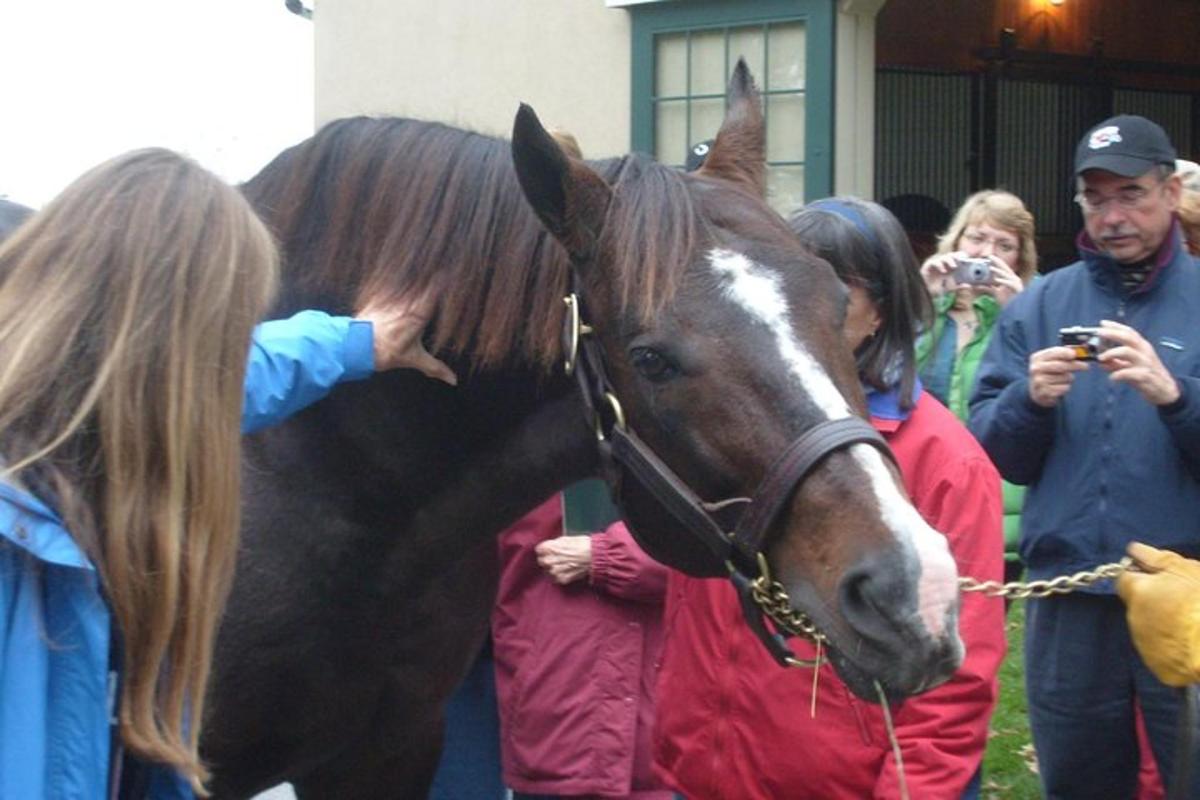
(945, 135)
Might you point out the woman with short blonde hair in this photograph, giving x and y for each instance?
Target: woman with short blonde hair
(994, 226)
(998, 209)
(984, 259)
(127, 308)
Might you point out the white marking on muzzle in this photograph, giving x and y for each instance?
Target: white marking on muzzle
(758, 291)
(937, 588)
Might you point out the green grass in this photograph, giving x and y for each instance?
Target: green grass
(1008, 762)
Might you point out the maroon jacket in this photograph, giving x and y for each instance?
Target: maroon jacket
(734, 725)
(576, 665)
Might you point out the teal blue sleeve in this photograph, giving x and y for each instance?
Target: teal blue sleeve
(295, 362)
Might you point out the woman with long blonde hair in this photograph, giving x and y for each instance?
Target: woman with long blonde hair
(127, 311)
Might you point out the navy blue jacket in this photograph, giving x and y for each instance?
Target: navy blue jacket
(1104, 467)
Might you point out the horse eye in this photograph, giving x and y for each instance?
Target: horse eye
(652, 364)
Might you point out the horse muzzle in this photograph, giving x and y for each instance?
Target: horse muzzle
(898, 624)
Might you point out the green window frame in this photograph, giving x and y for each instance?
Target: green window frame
(704, 17)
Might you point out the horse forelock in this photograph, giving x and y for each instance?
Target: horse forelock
(382, 207)
(652, 234)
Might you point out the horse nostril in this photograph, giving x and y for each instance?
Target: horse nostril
(880, 599)
(875, 597)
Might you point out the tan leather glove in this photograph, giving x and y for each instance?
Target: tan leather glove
(1163, 609)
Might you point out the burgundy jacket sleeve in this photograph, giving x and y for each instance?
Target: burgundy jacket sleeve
(943, 733)
(622, 569)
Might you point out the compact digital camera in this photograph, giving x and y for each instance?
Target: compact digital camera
(1085, 341)
(973, 271)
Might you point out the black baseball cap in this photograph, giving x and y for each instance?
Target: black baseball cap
(1126, 145)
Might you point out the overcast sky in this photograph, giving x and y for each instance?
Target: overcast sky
(227, 81)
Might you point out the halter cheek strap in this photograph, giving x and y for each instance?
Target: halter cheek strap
(625, 457)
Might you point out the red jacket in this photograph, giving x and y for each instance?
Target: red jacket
(733, 725)
(576, 665)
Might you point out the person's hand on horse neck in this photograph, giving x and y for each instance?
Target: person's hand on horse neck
(398, 326)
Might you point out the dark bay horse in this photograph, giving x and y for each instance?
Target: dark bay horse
(367, 571)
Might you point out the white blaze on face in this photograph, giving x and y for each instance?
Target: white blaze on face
(758, 291)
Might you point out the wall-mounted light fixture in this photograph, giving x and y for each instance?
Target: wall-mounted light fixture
(1057, 2)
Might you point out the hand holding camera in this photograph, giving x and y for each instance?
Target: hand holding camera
(947, 272)
(1051, 373)
(1118, 349)
(936, 271)
(1131, 359)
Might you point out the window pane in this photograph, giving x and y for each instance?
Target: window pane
(670, 64)
(670, 134)
(696, 65)
(747, 43)
(785, 127)
(785, 54)
(706, 118)
(708, 62)
(785, 188)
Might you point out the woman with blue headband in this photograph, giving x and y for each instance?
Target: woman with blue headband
(732, 722)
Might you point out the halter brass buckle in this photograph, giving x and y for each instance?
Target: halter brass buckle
(574, 328)
(618, 415)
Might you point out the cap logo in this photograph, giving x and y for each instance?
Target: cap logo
(1103, 137)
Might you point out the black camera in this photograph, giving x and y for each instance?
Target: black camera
(1085, 341)
(973, 271)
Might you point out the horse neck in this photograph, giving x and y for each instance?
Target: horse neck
(470, 459)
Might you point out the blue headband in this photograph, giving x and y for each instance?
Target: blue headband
(851, 215)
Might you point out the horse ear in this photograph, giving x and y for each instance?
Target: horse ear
(739, 152)
(567, 195)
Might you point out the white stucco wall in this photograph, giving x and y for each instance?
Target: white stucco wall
(470, 62)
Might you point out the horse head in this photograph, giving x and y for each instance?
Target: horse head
(721, 341)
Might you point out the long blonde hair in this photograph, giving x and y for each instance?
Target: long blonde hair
(126, 308)
(1002, 210)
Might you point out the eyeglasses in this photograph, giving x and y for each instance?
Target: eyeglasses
(1004, 247)
(1130, 199)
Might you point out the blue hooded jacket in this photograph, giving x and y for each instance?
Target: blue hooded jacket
(1104, 467)
(56, 694)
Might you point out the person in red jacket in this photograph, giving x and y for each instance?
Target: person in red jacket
(577, 635)
(735, 725)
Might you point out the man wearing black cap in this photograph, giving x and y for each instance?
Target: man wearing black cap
(1110, 447)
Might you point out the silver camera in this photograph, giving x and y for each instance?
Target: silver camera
(973, 271)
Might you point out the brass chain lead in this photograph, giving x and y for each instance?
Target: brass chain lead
(770, 596)
(1063, 584)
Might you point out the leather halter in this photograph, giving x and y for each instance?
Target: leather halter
(624, 456)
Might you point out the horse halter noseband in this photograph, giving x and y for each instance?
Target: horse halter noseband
(626, 457)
